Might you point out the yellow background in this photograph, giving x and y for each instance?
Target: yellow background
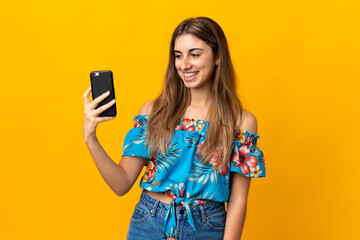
(298, 67)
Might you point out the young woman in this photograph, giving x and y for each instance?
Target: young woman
(198, 144)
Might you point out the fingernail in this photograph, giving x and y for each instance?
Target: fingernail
(108, 92)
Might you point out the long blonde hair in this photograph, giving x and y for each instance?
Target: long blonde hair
(171, 104)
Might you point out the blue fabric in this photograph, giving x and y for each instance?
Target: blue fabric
(148, 219)
(181, 174)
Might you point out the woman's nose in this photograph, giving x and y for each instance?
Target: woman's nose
(185, 63)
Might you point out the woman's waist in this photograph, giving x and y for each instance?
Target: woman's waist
(161, 196)
(149, 199)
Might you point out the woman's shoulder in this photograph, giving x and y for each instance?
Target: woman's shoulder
(247, 122)
(146, 108)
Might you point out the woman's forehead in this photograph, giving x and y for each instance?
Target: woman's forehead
(186, 42)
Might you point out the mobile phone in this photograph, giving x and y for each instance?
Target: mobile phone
(101, 82)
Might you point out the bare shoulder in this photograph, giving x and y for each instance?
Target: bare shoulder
(248, 122)
(146, 108)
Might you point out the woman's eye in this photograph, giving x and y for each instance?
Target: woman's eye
(177, 56)
(195, 55)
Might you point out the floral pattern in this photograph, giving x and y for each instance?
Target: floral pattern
(182, 176)
(150, 172)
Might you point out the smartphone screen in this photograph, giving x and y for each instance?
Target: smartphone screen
(101, 82)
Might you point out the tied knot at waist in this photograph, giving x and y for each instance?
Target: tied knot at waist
(177, 195)
(170, 216)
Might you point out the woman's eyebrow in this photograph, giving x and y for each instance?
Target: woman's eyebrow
(193, 49)
(190, 50)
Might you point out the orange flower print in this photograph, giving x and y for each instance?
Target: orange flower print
(255, 172)
(173, 188)
(151, 168)
(190, 129)
(170, 194)
(250, 161)
(145, 178)
(193, 122)
(245, 162)
(181, 192)
(223, 169)
(185, 124)
(239, 136)
(249, 141)
(150, 171)
(215, 159)
(137, 123)
(200, 125)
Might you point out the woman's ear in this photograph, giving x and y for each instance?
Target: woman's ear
(217, 60)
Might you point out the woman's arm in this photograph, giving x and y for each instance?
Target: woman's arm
(237, 203)
(236, 206)
(120, 177)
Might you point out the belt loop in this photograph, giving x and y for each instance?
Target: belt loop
(203, 216)
(153, 211)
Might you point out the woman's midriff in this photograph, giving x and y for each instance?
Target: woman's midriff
(159, 196)
(162, 197)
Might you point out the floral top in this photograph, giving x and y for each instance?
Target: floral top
(180, 173)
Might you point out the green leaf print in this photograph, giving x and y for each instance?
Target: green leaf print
(192, 140)
(203, 173)
(164, 162)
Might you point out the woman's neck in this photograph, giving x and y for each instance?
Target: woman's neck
(200, 103)
(200, 97)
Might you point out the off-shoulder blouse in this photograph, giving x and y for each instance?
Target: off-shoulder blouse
(181, 175)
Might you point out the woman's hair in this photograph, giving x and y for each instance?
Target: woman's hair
(226, 108)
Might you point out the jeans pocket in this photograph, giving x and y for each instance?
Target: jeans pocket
(140, 214)
(217, 221)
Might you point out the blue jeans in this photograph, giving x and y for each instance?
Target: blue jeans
(147, 221)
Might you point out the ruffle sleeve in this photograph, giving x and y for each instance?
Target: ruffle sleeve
(247, 158)
(134, 142)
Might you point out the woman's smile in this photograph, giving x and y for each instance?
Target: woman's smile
(189, 76)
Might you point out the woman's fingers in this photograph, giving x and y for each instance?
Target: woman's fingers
(92, 114)
(104, 107)
(97, 100)
(86, 96)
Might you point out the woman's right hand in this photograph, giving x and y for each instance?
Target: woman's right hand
(91, 115)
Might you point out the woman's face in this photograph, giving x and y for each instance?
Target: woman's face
(194, 61)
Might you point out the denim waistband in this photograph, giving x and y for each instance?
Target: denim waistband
(157, 206)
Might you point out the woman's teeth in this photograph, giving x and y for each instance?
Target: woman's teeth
(190, 74)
